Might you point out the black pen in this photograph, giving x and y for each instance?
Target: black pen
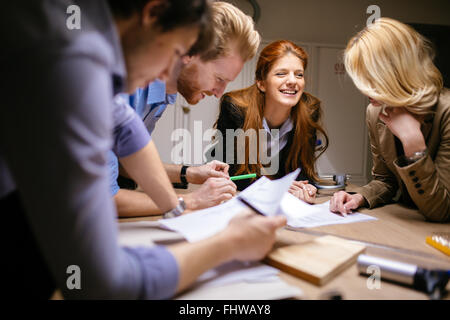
(250, 206)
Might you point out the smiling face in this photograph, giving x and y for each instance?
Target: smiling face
(284, 84)
(199, 79)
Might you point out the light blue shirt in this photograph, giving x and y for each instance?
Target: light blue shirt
(150, 104)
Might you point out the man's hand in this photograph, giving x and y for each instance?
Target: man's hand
(251, 236)
(343, 202)
(211, 193)
(303, 191)
(215, 169)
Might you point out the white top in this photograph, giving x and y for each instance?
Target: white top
(277, 138)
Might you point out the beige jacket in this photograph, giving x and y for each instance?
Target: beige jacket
(425, 183)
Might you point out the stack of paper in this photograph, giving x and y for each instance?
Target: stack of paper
(238, 280)
(231, 281)
(264, 194)
(267, 196)
(300, 214)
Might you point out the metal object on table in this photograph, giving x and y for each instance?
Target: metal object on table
(432, 282)
(340, 181)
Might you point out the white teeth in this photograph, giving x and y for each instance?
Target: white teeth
(288, 92)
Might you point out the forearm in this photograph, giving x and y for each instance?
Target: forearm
(194, 259)
(147, 170)
(428, 188)
(132, 203)
(173, 172)
(412, 141)
(378, 192)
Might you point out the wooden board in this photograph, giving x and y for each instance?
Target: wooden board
(317, 261)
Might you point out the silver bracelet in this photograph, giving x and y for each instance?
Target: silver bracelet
(416, 156)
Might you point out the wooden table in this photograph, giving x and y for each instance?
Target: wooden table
(398, 234)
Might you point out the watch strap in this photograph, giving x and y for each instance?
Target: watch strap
(183, 174)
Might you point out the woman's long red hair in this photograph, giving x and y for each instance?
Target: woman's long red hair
(306, 115)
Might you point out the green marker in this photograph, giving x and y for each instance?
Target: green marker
(244, 176)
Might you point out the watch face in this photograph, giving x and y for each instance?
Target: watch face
(182, 203)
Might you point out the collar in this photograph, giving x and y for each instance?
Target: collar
(285, 128)
(156, 93)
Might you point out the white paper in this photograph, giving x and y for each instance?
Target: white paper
(303, 215)
(236, 271)
(265, 194)
(204, 223)
(145, 233)
(268, 290)
(241, 280)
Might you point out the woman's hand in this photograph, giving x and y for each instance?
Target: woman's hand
(303, 191)
(405, 126)
(343, 202)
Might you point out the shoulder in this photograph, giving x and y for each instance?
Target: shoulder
(443, 111)
(443, 105)
(230, 109)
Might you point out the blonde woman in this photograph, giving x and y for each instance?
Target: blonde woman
(408, 120)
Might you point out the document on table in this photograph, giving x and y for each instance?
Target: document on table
(268, 196)
(237, 271)
(239, 280)
(264, 194)
(300, 214)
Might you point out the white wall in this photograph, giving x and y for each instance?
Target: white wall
(323, 27)
(335, 21)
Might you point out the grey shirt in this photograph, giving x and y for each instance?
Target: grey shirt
(56, 126)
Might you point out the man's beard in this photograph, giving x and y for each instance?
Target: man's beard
(187, 84)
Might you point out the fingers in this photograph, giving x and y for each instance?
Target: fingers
(334, 202)
(219, 166)
(305, 192)
(342, 203)
(218, 174)
(220, 182)
(274, 222)
(297, 192)
(219, 189)
(277, 221)
(300, 183)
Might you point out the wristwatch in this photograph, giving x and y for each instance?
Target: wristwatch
(416, 156)
(177, 211)
(183, 175)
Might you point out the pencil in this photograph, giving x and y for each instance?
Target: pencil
(244, 176)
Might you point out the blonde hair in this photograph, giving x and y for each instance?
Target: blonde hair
(232, 27)
(391, 62)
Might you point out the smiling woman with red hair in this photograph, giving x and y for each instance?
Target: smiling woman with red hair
(276, 101)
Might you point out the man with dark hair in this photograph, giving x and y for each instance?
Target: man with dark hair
(206, 72)
(53, 151)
